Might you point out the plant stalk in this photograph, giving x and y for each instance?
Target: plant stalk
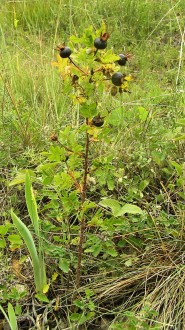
(77, 66)
(83, 198)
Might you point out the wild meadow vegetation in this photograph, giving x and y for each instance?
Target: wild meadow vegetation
(92, 184)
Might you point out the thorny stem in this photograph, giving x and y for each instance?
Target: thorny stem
(77, 66)
(83, 197)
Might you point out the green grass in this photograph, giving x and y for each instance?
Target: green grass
(150, 32)
(146, 126)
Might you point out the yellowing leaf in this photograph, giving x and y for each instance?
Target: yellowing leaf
(16, 268)
(45, 288)
(78, 99)
(54, 276)
(15, 20)
(75, 241)
(63, 65)
(56, 307)
(93, 132)
(128, 78)
(109, 57)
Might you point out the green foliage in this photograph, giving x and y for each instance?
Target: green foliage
(86, 309)
(37, 257)
(11, 317)
(26, 235)
(132, 215)
(116, 208)
(135, 322)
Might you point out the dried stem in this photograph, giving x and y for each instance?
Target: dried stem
(83, 197)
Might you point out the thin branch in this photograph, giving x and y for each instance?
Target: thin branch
(83, 196)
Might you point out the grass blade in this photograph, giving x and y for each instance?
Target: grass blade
(12, 317)
(31, 203)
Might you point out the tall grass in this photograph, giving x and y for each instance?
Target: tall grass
(31, 30)
(34, 105)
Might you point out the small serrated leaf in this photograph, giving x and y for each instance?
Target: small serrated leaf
(112, 252)
(2, 243)
(75, 316)
(64, 265)
(88, 110)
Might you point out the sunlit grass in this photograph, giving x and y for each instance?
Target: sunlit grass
(34, 104)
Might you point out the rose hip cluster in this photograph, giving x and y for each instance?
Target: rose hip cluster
(101, 43)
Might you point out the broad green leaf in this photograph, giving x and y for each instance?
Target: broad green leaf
(129, 208)
(28, 239)
(112, 252)
(89, 249)
(4, 229)
(79, 303)
(116, 117)
(109, 57)
(75, 39)
(178, 167)
(18, 309)
(96, 250)
(64, 265)
(82, 319)
(75, 316)
(89, 315)
(2, 243)
(143, 184)
(143, 113)
(91, 306)
(88, 110)
(113, 204)
(47, 168)
(15, 239)
(158, 157)
(110, 183)
(89, 293)
(12, 317)
(42, 297)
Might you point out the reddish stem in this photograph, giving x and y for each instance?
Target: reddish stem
(83, 197)
(77, 66)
